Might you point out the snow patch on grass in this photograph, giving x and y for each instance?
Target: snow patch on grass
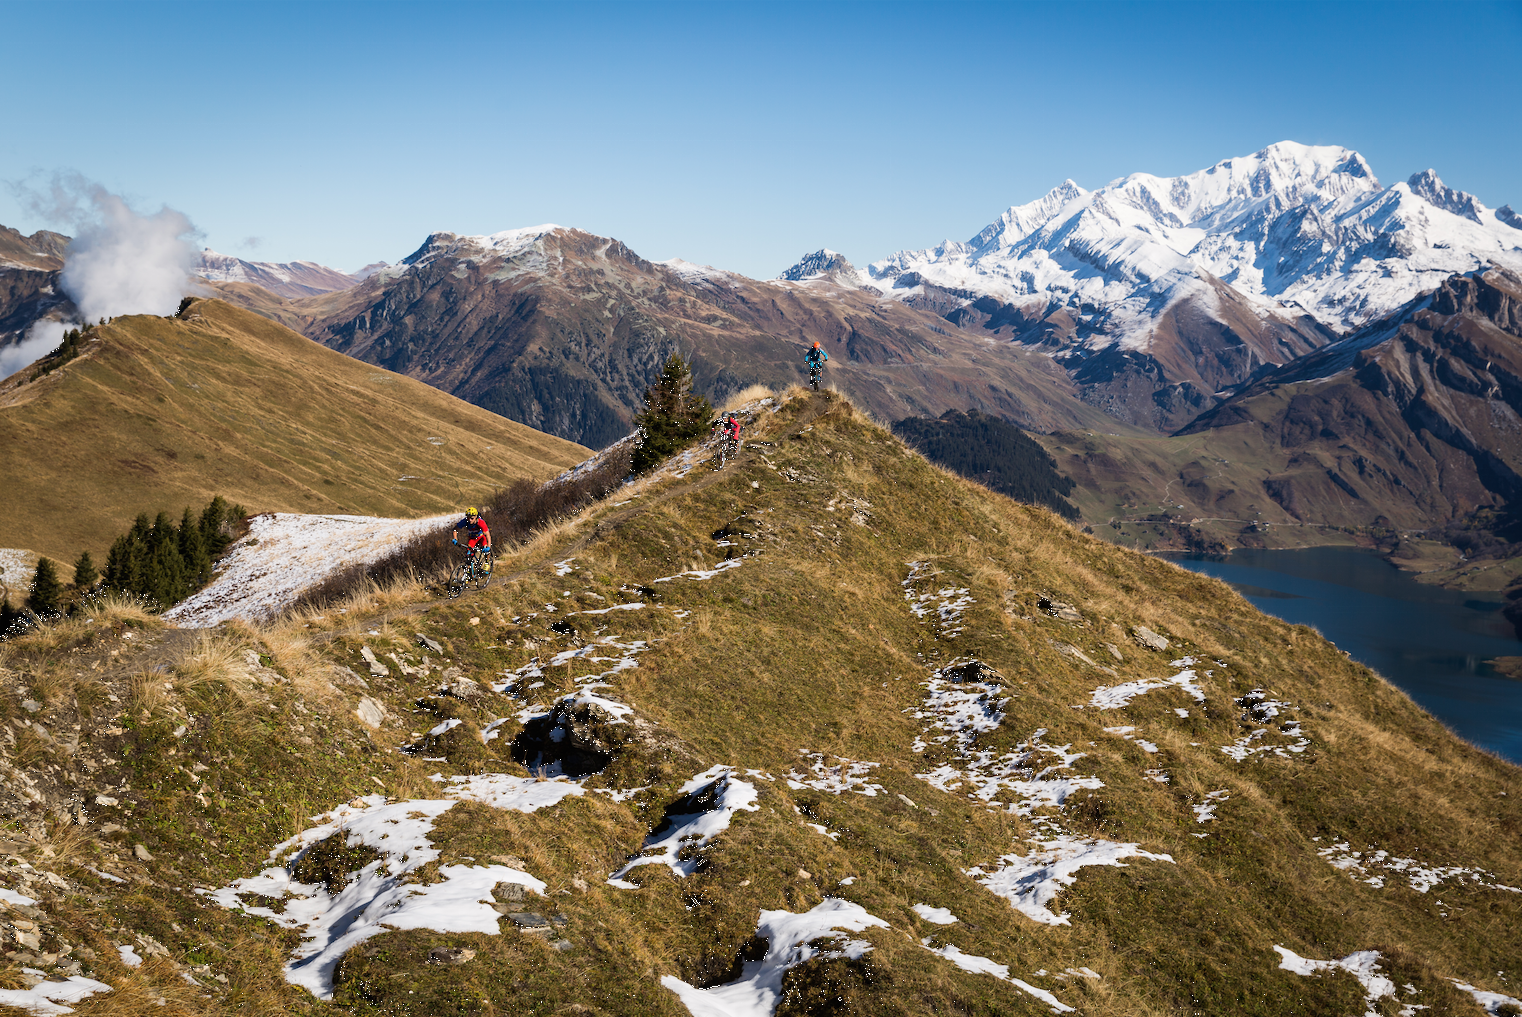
(1372, 866)
(947, 603)
(1362, 965)
(936, 916)
(1031, 882)
(841, 776)
(791, 940)
(716, 795)
(45, 997)
(984, 966)
(1113, 697)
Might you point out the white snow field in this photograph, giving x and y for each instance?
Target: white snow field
(695, 829)
(45, 997)
(285, 553)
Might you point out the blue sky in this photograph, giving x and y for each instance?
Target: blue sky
(738, 135)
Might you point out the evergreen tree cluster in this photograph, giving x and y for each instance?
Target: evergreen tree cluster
(166, 562)
(67, 350)
(674, 416)
(993, 452)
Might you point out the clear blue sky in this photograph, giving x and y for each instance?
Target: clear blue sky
(738, 135)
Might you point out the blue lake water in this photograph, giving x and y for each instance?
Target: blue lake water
(1431, 642)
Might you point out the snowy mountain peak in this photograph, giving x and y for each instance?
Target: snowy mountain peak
(822, 263)
(1290, 228)
(1020, 221)
(1427, 184)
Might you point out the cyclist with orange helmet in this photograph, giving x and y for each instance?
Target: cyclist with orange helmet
(815, 359)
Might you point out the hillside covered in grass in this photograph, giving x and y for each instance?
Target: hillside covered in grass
(831, 731)
(155, 414)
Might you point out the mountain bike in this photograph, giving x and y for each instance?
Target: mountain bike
(473, 573)
(728, 449)
(814, 373)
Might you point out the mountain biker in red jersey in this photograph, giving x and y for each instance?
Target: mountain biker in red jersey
(476, 532)
(732, 429)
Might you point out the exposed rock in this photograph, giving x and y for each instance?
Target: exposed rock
(429, 644)
(450, 955)
(1059, 610)
(377, 669)
(371, 711)
(969, 671)
(141, 853)
(459, 686)
(1146, 637)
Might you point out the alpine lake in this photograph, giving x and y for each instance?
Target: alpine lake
(1434, 644)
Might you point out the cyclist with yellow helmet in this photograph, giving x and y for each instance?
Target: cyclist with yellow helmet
(476, 532)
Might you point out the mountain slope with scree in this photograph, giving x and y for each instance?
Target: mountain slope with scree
(827, 731)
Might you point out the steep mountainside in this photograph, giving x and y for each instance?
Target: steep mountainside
(29, 268)
(564, 331)
(163, 413)
(826, 732)
(1171, 288)
(1412, 422)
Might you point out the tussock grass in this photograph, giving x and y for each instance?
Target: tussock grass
(749, 394)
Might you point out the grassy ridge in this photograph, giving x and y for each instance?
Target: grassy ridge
(809, 646)
(163, 413)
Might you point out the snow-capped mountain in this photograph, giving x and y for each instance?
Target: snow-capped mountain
(825, 264)
(290, 279)
(1156, 292)
(1292, 227)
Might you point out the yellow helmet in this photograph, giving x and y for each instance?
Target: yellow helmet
(471, 512)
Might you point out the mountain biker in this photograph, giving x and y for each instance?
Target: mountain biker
(728, 427)
(477, 534)
(815, 359)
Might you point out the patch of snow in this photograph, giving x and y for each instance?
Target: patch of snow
(1205, 812)
(1492, 1002)
(947, 603)
(698, 575)
(380, 897)
(1362, 965)
(690, 832)
(1113, 697)
(936, 916)
(286, 553)
(47, 997)
(844, 775)
(1372, 866)
(12, 897)
(129, 956)
(1032, 881)
(984, 966)
(791, 940)
(564, 568)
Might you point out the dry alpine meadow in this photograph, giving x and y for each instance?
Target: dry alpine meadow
(827, 731)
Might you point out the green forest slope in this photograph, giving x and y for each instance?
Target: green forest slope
(927, 695)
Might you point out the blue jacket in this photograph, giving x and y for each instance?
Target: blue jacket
(815, 357)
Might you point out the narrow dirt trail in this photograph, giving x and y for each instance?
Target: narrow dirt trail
(817, 406)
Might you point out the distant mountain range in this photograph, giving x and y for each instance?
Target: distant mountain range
(290, 279)
(1147, 307)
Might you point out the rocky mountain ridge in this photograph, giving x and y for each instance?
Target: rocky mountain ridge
(564, 330)
(1409, 424)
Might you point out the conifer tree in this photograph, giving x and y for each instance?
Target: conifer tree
(85, 573)
(673, 416)
(47, 592)
(193, 550)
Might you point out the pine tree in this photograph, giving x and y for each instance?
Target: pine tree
(193, 551)
(85, 573)
(673, 416)
(47, 592)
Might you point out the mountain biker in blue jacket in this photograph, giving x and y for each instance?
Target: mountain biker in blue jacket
(816, 357)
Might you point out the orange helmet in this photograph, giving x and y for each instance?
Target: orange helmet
(816, 345)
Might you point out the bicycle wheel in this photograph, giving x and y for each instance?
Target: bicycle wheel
(483, 572)
(456, 581)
